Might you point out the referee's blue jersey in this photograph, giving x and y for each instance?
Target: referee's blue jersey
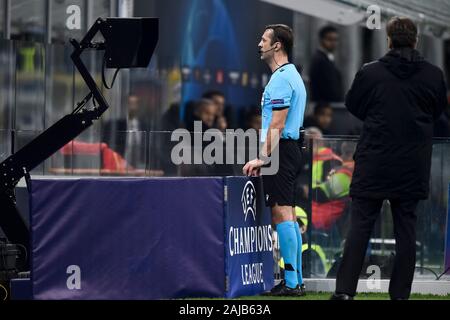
(284, 90)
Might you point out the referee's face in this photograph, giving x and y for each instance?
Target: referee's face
(266, 48)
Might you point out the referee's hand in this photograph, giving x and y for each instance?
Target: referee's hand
(253, 168)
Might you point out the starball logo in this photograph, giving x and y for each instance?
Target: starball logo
(248, 200)
(249, 237)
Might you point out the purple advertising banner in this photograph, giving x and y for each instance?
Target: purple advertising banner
(249, 251)
(127, 238)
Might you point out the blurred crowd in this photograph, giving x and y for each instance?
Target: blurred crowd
(325, 116)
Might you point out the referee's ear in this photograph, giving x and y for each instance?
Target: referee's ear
(277, 46)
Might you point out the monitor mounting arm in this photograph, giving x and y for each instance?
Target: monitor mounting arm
(50, 141)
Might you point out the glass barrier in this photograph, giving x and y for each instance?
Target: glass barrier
(188, 154)
(5, 144)
(28, 20)
(331, 171)
(7, 82)
(116, 154)
(124, 153)
(59, 99)
(81, 157)
(30, 90)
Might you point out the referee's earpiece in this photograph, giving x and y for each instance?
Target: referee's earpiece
(274, 47)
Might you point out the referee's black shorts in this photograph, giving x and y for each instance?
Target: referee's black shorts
(280, 188)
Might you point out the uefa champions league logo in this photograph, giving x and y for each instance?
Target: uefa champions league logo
(248, 200)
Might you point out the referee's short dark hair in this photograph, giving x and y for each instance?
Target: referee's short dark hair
(402, 31)
(282, 33)
(326, 30)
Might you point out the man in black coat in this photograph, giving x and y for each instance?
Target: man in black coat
(325, 78)
(398, 97)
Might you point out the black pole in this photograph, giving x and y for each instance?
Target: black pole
(309, 210)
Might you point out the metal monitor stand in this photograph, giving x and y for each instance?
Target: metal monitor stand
(48, 142)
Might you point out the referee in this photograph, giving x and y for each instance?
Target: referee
(283, 107)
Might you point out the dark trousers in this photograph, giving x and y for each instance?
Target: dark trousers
(363, 217)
